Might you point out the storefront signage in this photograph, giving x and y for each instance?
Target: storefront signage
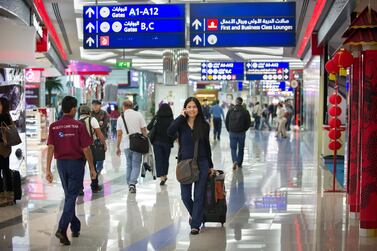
(242, 24)
(32, 95)
(222, 71)
(134, 26)
(274, 71)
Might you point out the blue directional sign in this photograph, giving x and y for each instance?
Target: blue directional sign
(222, 71)
(242, 24)
(273, 71)
(134, 26)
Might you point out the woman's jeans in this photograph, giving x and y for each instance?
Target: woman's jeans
(196, 207)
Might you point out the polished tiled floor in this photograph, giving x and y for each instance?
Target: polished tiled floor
(273, 204)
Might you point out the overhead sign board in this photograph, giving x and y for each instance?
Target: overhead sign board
(222, 71)
(242, 24)
(275, 71)
(134, 26)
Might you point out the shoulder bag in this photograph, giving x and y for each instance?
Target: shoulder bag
(187, 170)
(138, 142)
(10, 134)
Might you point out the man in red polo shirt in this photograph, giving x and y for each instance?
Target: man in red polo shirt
(69, 142)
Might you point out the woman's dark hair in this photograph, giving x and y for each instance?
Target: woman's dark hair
(200, 124)
(165, 110)
(5, 104)
(68, 103)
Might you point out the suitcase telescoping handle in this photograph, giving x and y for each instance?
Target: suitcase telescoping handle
(212, 185)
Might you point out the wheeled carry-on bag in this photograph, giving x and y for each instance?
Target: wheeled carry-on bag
(215, 201)
(16, 185)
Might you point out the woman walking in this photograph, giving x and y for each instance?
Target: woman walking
(6, 196)
(162, 143)
(282, 121)
(191, 126)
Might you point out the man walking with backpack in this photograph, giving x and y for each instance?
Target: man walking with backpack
(93, 128)
(237, 122)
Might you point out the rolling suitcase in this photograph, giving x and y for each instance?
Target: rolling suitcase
(16, 184)
(215, 201)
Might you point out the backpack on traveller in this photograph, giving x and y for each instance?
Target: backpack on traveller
(236, 119)
(98, 150)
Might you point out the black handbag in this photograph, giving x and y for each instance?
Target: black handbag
(10, 135)
(153, 131)
(138, 142)
(187, 170)
(98, 149)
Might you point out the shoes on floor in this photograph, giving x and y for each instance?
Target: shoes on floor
(235, 165)
(132, 188)
(194, 231)
(97, 189)
(163, 181)
(75, 234)
(62, 237)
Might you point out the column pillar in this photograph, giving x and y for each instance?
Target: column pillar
(168, 67)
(353, 186)
(368, 131)
(182, 66)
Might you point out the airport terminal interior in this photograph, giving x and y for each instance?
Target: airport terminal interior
(280, 95)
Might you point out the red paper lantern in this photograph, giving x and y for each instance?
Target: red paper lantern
(334, 123)
(335, 145)
(336, 58)
(344, 58)
(335, 99)
(334, 134)
(332, 67)
(335, 111)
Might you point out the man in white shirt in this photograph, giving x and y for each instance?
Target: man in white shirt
(95, 133)
(135, 124)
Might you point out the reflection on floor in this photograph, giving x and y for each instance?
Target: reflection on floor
(273, 204)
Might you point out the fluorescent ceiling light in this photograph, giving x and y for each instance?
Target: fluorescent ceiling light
(145, 61)
(95, 56)
(210, 56)
(111, 61)
(269, 51)
(78, 4)
(152, 67)
(150, 52)
(195, 69)
(262, 58)
(79, 24)
(247, 56)
(195, 77)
